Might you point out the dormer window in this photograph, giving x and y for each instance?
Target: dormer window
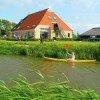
(54, 18)
(49, 17)
(34, 25)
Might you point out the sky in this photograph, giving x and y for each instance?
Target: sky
(80, 15)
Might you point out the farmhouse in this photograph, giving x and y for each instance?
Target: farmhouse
(44, 23)
(92, 33)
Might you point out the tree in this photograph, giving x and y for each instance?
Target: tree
(74, 36)
(6, 26)
(0, 26)
(78, 36)
(13, 24)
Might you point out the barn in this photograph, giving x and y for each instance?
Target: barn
(92, 33)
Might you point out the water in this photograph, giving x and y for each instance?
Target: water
(79, 75)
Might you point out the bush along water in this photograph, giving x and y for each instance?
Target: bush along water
(83, 50)
(22, 90)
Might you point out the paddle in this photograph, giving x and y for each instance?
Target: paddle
(66, 46)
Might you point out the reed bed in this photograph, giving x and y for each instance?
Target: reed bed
(56, 49)
(22, 90)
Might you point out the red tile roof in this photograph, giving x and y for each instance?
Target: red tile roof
(41, 17)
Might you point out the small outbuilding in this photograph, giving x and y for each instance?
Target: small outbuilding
(92, 33)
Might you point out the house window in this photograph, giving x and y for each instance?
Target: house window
(34, 25)
(55, 26)
(27, 35)
(68, 34)
(93, 36)
(33, 35)
(44, 34)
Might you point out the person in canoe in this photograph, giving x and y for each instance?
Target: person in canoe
(70, 56)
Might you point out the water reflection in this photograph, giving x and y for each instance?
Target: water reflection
(83, 75)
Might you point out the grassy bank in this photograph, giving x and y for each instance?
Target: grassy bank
(22, 90)
(56, 49)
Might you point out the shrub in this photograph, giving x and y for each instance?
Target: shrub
(56, 49)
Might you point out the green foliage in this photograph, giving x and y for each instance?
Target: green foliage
(16, 39)
(6, 26)
(67, 39)
(0, 26)
(78, 36)
(22, 90)
(56, 49)
(13, 24)
(74, 36)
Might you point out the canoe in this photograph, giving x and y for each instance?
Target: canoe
(69, 61)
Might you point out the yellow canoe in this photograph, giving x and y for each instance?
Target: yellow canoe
(70, 61)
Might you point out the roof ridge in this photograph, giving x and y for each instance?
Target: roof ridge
(39, 11)
(96, 28)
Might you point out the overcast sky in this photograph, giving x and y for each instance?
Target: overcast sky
(80, 15)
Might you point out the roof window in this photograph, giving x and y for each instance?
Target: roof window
(34, 25)
(54, 17)
(49, 17)
(27, 26)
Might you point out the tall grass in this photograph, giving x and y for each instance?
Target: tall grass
(22, 90)
(56, 49)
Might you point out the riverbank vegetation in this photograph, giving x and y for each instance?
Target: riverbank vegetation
(22, 90)
(56, 49)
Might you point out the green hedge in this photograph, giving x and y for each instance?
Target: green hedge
(16, 39)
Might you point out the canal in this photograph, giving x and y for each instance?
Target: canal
(79, 75)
